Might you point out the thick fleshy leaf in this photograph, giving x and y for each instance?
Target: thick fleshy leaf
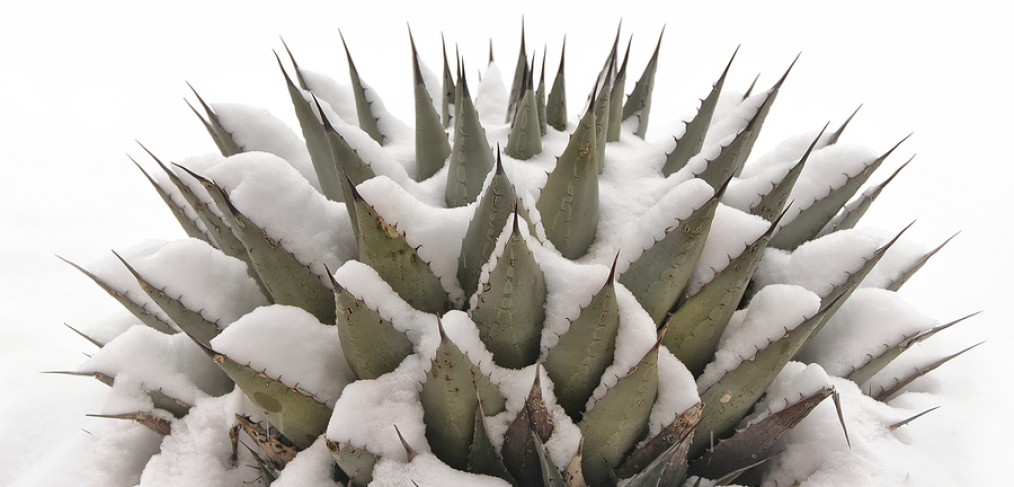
(616, 99)
(431, 145)
(753, 442)
(316, 140)
(639, 101)
(471, 156)
(509, 309)
(218, 227)
(525, 138)
(482, 456)
(730, 160)
(855, 209)
(297, 414)
(556, 105)
(223, 138)
(288, 280)
(693, 330)
(900, 382)
(877, 363)
(193, 227)
(692, 141)
(659, 276)
(494, 210)
(551, 476)
(663, 459)
(148, 420)
(540, 97)
(807, 224)
(193, 322)
(601, 106)
(759, 118)
(837, 133)
(447, 102)
(357, 463)
(773, 203)
(277, 449)
(727, 401)
(576, 363)
(138, 308)
(899, 281)
(569, 203)
(533, 425)
(384, 248)
(364, 111)
(520, 76)
(449, 402)
(371, 344)
(619, 420)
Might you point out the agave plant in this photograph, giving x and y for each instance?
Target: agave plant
(504, 295)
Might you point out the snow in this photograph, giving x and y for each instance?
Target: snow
(290, 345)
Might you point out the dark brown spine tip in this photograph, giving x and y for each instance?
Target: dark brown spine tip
(753, 84)
(516, 231)
(806, 155)
(781, 80)
(443, 334)
(611, 279)
(463, 81)
(323, 117)
(352, 186)
(499, 162)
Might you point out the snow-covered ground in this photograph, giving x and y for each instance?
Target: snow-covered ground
(82, 81)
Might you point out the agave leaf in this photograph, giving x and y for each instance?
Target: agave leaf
(520, 76)
(491, 214)
(297, 415)
(194, 323)
(569, 202)
(556, 105)
(855, 209)
(357, 463)
(154, 423)
(551, 476)
(431, 145)
(364, 110)
(136, 307)
(693, 330)
(773, 203)
(899, 281)
(601, 106)
(579, 359)
(692, 140)
(371, 344)
(223, 138)
(730, 160)
(277, 449)
(616, 99)
(447, 102)
(727, 401)
(748, 445)
(99, 376)
(837, 133)
(219, 225)
(509, 310)
(540, 96)
(525, 139)
(639, 101)
(759, 118)
(482, 456)
(866, 371)
(192, 227)
(807, 224)
(661, 273)
(619, 420)
(901, 382)
(91, 339)
(842, 291)
(471, 156)
(316, 140)
(288, 280)
(663, 459)
(449, 400)
(906, 421)
(384, 248)
(573, 475)
(532, 426)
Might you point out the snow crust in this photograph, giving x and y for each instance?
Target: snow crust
(732, 231)
(289, 344)
(774, 311)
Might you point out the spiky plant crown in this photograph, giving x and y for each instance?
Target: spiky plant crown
(504, 290)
